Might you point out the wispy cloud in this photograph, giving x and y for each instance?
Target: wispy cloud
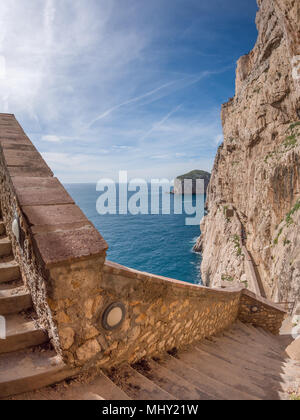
(131, 101)
(97, 85)
(176, 84)
(161, 122)
(51, 138)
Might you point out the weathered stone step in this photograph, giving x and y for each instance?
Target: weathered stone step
(209, 386)
(11, 285)
(98, 389)
(169, 381)
(239, 336)
(5, 247)
(231, 373)
(9, 271)
(2, 228)
(284, 341)
(254, 333)
(274, 377)
(263, 336)
(13, 301)
(221, 372)
(137, 386)
(21, 333)
(264, 350)
(225, 346)
(268, 346)
(102, 388)
(26, 371)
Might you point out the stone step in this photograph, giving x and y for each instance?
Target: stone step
(98, 389)
(169, 381)
(21, 333)
(274, 378)
(26, 371)
(254, 333)
(137, 386)
(223, 346)
(269, 340)
(13, 301)
(231, 372)
(13, 284)
(103, 388)
(286, 363)
(221, 371)
(239, 336)
(9, 271)
(211, 387)
(238, 341)
(259, 361)
(284, 341)
(5, 247)
(2, 228)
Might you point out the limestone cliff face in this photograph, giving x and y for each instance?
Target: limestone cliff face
(255, 184)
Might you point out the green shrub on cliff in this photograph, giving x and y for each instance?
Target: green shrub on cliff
(289, 220)
(226, 277)
(294, 125)
(290, 141)
(237, 245)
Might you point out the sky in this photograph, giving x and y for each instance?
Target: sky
(106, 85)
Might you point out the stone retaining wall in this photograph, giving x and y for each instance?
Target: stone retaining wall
(161, 313)
(260, 312)
(60, 253)
(62, 261)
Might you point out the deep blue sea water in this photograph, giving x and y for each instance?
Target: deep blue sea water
(159, 244)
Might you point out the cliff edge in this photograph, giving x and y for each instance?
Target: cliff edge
(254, 194)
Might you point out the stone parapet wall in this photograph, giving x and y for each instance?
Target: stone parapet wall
(60, 253)
(62, 261)
(260, 312)
(161, 313)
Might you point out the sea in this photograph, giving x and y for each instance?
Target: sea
(161, 244)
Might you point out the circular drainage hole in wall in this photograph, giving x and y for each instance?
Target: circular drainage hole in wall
(113, 316)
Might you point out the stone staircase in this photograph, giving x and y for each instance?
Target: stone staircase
(242, 363)
(26, 359)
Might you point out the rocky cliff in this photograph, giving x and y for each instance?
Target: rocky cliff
(254, 194)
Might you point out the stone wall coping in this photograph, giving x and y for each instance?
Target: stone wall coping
(117, 269)
(59, 230)
(264, 301)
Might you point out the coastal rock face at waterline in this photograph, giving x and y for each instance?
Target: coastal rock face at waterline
(254, 194)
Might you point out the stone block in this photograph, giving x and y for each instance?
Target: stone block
(40, 191)
(76, 281)
(88, 350)
(67, 246)
(25, 159)
(66, 336)
(54, 215)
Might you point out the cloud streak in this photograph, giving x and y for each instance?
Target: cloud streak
(161, 122)
(96, 85)
(130, 101)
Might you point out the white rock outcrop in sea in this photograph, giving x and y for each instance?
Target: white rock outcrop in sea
(254, 193)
